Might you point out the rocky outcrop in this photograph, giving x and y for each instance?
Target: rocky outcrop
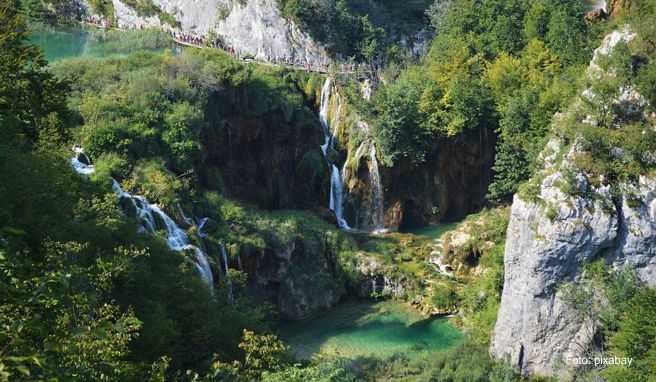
(551, 236)
(252, 28)
(271, 158)
(450, 184)
(376, 279)
(300, 277)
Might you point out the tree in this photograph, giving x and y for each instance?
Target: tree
(28, 94)
(636, 338)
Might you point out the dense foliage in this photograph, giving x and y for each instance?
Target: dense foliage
(84, 295)
(363, 30)
(621, 310)
(503, 66)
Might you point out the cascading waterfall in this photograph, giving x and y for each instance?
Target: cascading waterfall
(336, 186)
(148, 216)
(201, 227)
(377, 189)
(80, 167)
(601, 4)
(336, 196)
(176, 238)
(373, 212)
(227, 274)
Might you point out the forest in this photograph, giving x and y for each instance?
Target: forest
(170, 213)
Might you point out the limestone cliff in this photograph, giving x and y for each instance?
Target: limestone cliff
(253, 28)
(572, 219)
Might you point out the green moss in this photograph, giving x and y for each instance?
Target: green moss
(104, 8)
(530, 191)
(147, 8)
(155, 182)
(551, 212)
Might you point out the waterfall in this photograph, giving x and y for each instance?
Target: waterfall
(201, 227)
(176, 238)
(323, 118)
(336, 197)
(80, 167)
(601, 4)
(148, 215)
(371, 211)
(222, 249)
(378, 218)
(336, 186)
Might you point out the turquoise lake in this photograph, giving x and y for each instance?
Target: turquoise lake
(382, 329)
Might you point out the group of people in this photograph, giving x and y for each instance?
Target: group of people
(95, 20)
(218, 43)
(199, 41)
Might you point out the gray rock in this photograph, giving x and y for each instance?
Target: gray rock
(253, 28)
(550, 239)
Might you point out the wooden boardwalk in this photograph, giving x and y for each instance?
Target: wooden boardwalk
(305, 68)
(300, 67)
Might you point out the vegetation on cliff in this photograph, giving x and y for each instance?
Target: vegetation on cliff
(620, 309)
(500, 66)
(367, 31)
(85, 296)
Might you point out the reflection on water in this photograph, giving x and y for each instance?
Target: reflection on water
(367, 329)
(65, 42)
(432, 231)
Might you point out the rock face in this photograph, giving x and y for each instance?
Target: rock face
(253, 28)
(272, 160)
(374, 279)
(548, 241)
(298, 276)
(450, 184)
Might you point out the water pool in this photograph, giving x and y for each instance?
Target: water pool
(381, 329)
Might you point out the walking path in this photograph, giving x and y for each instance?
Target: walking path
(194, 41)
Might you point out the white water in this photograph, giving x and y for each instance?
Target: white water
(374, 219)
(336, 186)
(79, 167)
(601, 4)
(227, 274)
(378, 218)
(201, 227)
(323, 118)
(176, 238)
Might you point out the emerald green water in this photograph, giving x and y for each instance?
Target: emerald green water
(369, 329)
(67, 42)
(433, 231)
